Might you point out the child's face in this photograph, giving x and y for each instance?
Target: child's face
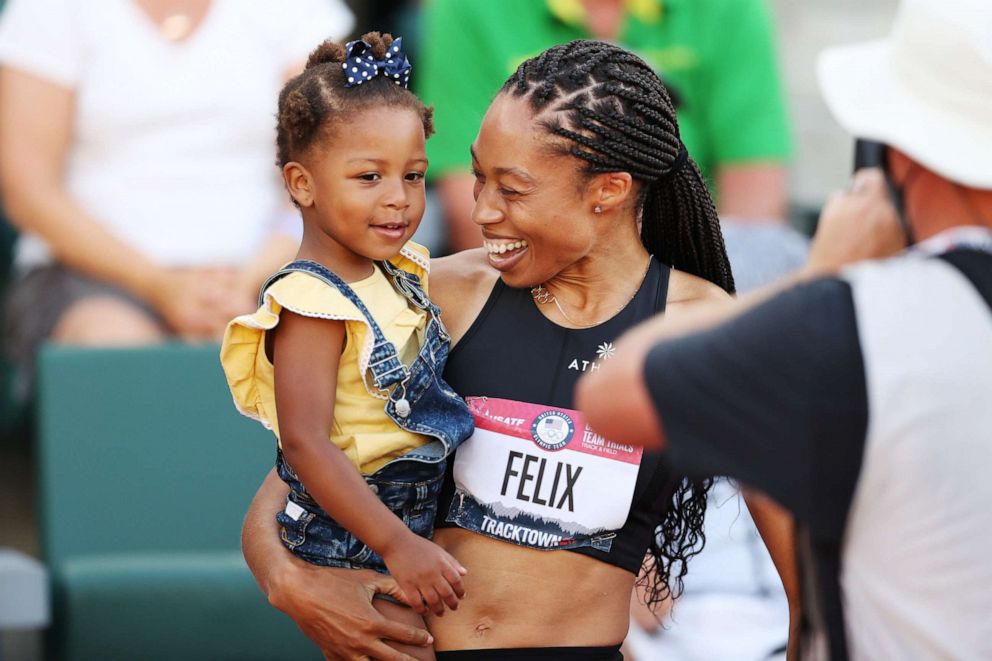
(366, 194)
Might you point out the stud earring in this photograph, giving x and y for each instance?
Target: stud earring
(597, 209)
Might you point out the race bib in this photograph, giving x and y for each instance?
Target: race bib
(537, 476)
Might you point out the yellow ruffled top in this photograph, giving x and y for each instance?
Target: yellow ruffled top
(361, 427)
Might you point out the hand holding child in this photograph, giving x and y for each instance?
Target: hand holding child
(428, 575)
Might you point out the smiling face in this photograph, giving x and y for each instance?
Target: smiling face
(361, 189)
(532, 204)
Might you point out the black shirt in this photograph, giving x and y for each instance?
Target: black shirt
(778, 398)
(768, 395)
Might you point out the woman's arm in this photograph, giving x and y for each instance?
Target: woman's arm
(332, 606)
(36, 117)
(778, 530)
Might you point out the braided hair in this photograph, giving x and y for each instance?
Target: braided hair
(608, 108)
(314, 103)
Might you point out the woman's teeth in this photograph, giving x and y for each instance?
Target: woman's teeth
(498, 248)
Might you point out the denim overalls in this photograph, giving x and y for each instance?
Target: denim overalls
(420, 402)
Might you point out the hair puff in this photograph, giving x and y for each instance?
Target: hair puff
(328, 52)
(379, 42)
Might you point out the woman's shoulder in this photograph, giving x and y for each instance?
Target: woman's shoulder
(460, 286)
(686, 288)
(464, 272)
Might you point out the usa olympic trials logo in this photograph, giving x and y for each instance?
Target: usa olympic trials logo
(552, 430)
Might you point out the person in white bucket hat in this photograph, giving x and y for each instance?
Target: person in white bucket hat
(926, 89)
(860, 398)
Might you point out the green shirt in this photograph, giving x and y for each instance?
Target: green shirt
(717, 55)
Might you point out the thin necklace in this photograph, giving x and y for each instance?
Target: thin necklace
(543, 296)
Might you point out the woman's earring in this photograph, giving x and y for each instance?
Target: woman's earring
(597, 209)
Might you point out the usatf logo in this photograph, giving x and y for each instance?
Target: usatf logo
(552, 430)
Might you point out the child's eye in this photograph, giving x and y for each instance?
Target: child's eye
(414, 176)
(369, 176)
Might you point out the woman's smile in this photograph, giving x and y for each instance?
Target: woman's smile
(503, 253)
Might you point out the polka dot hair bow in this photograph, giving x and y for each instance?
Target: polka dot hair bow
(361, 66)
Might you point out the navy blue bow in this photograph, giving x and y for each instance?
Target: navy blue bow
(360, 65)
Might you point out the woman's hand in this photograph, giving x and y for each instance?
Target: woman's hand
(333, 607)
(426, 573)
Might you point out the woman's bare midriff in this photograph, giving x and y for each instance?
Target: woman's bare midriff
(521, 597)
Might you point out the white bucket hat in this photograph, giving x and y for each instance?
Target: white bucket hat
(926, 89)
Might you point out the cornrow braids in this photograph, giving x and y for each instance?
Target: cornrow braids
(605, 106)
(315, 102)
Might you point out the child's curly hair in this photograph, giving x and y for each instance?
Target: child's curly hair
(314, 102)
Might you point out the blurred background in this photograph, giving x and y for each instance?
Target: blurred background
(124, 472)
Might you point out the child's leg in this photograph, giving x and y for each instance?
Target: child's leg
(399, 613)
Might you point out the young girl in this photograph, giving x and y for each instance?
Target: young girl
(343, 357)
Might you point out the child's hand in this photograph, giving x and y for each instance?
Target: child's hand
(426, 573)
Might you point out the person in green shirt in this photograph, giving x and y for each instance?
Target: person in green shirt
(716, 56)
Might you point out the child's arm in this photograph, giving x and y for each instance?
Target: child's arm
(306, 355)
(332, 606)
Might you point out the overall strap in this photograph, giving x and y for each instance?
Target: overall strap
(976, 265)
(407, 284)
(384, 364)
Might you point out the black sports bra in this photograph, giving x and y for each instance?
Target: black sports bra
(513, 352)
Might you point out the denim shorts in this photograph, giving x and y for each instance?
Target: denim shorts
(410, 490)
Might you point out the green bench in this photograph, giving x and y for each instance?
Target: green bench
(146, 471)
